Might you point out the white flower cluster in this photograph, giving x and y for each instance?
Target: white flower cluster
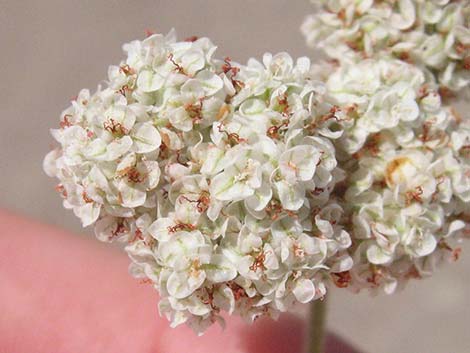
(408, 185)
(405, 152)
(217, 175)
(248, 188)
(433, 34)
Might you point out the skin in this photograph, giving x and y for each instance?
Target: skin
(66, 293)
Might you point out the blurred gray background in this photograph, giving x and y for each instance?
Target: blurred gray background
(51, 49)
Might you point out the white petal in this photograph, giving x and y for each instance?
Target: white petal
(95, 149)
(211, 83)
(406, 110)
(304, 290)
(377, 256)
(146, 138)
(186, 211)
(214, 161)
(160, 229)
(406, 17)
(291, 196)
(180, 285)
(261, 197)
(150, 81)
(105, 227)
(426, 245)
(225, 188)
(151, 171)
(88, 213)
(220, 269)
(181, 120)
(299, 163)
(192, 61)
(49, 163)
(130, 196)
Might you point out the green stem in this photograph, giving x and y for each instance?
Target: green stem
(316, 331)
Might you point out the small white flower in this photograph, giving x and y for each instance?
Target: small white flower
(238, 181)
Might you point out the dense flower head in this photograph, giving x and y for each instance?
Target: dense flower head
(217, 175)
(406, 156)
(248, 188)
(433, 34)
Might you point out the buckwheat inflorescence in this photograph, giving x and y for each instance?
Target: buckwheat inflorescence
(404, 148)
(218, 176)
(432, 34)
(248, 188)
(408, 187)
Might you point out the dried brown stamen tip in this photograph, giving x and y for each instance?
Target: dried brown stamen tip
(231, 72)
(446, 93)
(149, 32)
(178, 158)
(465, 150)
(443, 245)
(324, 118)
(181, 226)
(124, 90)
(86, 198)
(456, 254)
(298, 250)
(331, 114)
(210, 298)
(115, 128)
(423, 91)
(164, 150)
(414, 195)
(413, 273)
(440, 180)
(65, 121)
(317, 191)
(341, 279)
(342, 14)
(258, 262)
(466, 63)
(375, 277)
(371, 146)
(273, 131)
(203, 202)
(461, 48)
(137, 236)
(121, 228)
(405, 56)
(233, 138)
(133, 175)
(238, 291)
(283, 103)
(61, 189)
(274, 209)
(191, 39)
(194, 110)
(320, 159)
(178, 67)
(127, 70)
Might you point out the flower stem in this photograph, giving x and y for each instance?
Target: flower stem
(316, 331)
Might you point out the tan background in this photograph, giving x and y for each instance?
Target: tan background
(50, 49)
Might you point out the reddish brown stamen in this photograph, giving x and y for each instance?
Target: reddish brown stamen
(115, 128)
(181, 226)
(341, 279)
(191, 39)
(178, 67)
(65, 121)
